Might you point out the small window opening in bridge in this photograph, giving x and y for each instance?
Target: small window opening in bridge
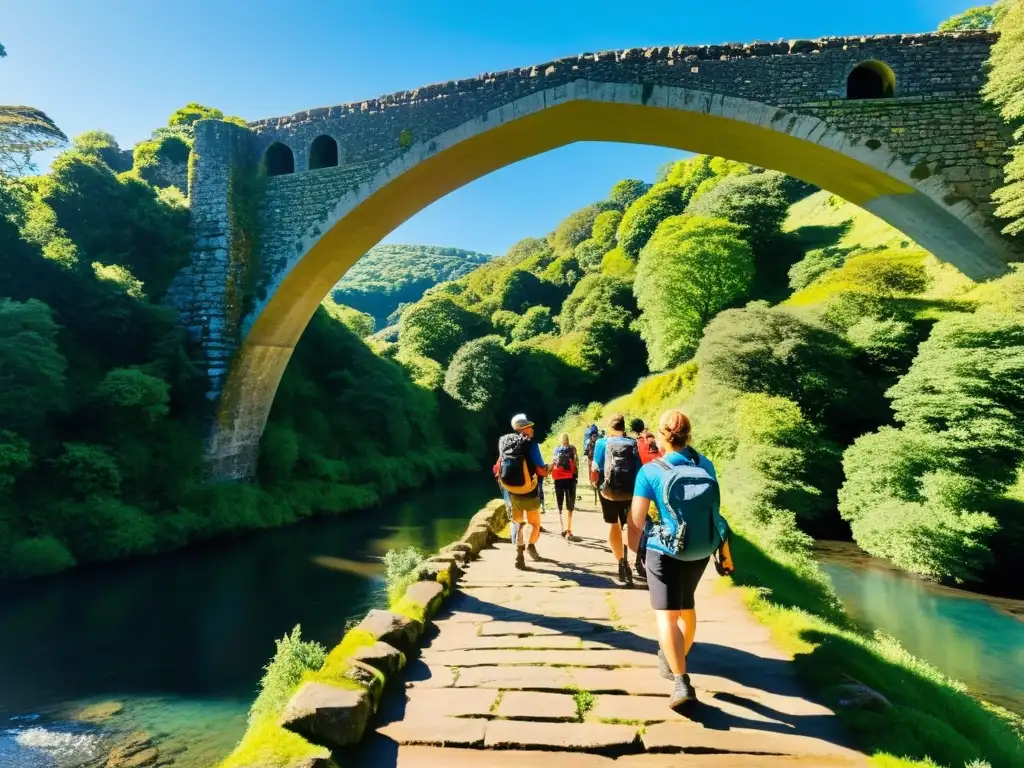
(323, 153)
(871, 80)
(278, 160)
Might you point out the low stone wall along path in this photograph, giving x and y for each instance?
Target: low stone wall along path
(557, 667)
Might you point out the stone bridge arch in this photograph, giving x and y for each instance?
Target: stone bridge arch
(782, 106)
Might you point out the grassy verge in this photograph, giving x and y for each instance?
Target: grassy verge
(932, 721)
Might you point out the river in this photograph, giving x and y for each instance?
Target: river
(174, 645)
(976, 639)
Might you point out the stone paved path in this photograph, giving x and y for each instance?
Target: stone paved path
(559, 664)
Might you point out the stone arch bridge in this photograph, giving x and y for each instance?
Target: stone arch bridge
(283, 207)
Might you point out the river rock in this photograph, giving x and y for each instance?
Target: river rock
(383, 657)
(427, 594)
(394, 629)
(135, 751)
(94, 713)
(328, 716)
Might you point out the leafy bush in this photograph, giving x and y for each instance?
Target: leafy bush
(436, 327)
(136, 392)
(35, 556)
(756, 202)
(89, 470)
(536, 321)
(574, 229)
(691, 269)
(293, 658)
(625, 193)
(1003, 89)
(401, 567)
(643, 216)
(476, 377)
(814, 264)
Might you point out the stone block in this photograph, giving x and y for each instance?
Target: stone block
(396, 630)
(383, 657)
(458, 552)
(369, 678)
(428, 594)
(477, 537)
(532, 705)
(437, 731)
(432, 570)
(327, 716)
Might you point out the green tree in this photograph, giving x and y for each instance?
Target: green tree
(627, 192)
(574, 229)
(135, 393)
(981, 17)
(103, 144)
(692, 268)
(813, 265)
(32, 369)
(476, 377)
(536, 321)
(594, 296)
(605, 227)
(643, 216)
(15, 458)
(589, 254)
(775, 351)
(436, 327)
(1005, 89)
(24, 130)
(757, 202)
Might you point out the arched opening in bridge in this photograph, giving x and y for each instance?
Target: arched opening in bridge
(278, 160)
(323, 153)
(871, 80)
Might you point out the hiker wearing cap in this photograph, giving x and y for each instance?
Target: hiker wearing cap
(520, 467)
(676, 506)
(614, 471)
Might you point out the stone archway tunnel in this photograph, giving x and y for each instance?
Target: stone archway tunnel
(282, 208)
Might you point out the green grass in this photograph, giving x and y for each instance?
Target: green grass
(933, 721)
(824, 220)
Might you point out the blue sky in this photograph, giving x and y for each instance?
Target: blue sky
(125, 65)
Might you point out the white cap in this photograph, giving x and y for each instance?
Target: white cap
(519, 421)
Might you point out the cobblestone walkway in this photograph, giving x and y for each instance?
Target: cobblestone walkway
(559, 664)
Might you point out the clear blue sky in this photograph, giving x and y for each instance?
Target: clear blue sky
(125, 65)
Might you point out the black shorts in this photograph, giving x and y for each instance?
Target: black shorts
(615, 511)
(672, 582)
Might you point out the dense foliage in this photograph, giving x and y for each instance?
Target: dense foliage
(389, 276)
(1005, 89)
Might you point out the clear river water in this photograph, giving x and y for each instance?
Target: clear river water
(175, 644)
(976, 639)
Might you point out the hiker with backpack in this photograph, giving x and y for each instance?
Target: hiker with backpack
(614, 471)
(676, 506)
(565, 472)
(647, 446)
(521, 468)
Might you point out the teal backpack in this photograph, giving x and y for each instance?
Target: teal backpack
(690, 525)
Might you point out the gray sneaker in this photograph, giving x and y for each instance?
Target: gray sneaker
(683, 694)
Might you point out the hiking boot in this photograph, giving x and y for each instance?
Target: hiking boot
(683, 693)
(534, 554)
(663, 668)
(570, 536)
(520, 560)
(625, 573)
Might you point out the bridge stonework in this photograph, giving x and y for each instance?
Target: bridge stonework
(926, 160)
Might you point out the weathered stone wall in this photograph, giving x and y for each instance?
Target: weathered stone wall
(200, 291)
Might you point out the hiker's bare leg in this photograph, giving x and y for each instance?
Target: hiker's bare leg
(615, 541)
(670, 638)
(517, 527)
(688, 626)
(533, 518)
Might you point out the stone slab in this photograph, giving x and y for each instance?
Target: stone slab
(515, 678)
(533, 705)
(429, 703)
(555, 658)
(432, 757)
(645, 709)
(437, 731)
(639, 682)
(572, 737)
(474, 642)
(526, 628)
(692, 737)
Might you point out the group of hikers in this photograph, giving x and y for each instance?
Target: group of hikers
(656, 486)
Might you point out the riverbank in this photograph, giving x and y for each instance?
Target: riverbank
(180, 639)
(898, 708)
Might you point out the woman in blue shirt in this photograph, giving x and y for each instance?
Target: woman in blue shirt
(672, 582)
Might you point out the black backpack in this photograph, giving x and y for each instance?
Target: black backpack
(514, 471)
(563, 457)
(620, 468)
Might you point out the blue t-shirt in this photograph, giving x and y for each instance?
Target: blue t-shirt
(600, 447)
(536, 457)
(649, 483)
